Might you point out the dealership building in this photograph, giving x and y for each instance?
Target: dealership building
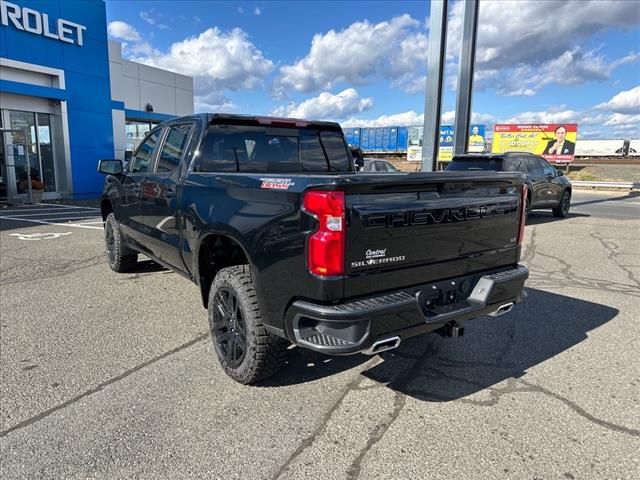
(68, 98)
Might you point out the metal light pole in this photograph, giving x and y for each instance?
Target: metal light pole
(465, 76)
(435, 74)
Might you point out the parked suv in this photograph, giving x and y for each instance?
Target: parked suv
(548, 187)
(372, 165)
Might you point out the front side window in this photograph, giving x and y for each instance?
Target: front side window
(174, 148)
(548, 169)
(144, 155)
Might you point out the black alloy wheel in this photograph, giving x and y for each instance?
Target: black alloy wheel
(562, 209)
(229, 327)
(121, 258)
(247, 351)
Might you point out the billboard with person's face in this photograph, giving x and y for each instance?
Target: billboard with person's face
(555, 142)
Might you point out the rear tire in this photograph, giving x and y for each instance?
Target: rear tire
(121, 258)
(562, 210)
(247, 352)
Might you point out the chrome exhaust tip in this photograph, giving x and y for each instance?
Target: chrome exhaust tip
(383, 345)
(502, 309)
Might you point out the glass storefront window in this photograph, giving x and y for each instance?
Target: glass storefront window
(32, 151)
(46, 151)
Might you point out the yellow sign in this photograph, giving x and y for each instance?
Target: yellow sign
(555, 142)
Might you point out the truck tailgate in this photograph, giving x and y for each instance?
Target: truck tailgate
(409, 229)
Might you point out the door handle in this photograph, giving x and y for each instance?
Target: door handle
(170, 193)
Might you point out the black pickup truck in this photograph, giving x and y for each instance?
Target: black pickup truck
(289, 245)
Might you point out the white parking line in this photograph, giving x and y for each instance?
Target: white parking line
(84, 217)
(56, 205)
(44, 222)
(66, 212)
(45, 206)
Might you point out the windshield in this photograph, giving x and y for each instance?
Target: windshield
(475, 164)
(241, 148)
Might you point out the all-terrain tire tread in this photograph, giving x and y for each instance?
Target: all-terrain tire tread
(265, 352)
(125, 259)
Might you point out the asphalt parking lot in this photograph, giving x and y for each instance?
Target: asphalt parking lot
(114, 376)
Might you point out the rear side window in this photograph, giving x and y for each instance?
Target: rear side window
(336, 151)
(173, 148)
(534, 166)
(514, 164)
(475, 164)
(253, 149)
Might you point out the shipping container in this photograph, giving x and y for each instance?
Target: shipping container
(347, 135)
(352, 136)
(403, 133)
(356, 136)
(364, 139)
(386, 133)
(377, 143)
(392, 145)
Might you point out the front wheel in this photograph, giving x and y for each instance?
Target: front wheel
(562, 209)
(121, 259)
(247, 352)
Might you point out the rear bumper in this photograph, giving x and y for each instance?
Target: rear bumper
(356, 326)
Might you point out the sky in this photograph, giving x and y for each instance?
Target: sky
(364, 63)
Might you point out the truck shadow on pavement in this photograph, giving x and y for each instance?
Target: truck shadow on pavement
(540, 217)
(437, 369)
(492, 350)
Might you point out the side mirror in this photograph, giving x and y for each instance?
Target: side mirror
(110, 167)
(559, 173)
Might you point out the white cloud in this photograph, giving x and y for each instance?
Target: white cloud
(240, 10)
(148, 17)
(627, 101)
(397, 119)
(327, 106)
(572, 67)
(449, 117)
(561, 115)
(623, 120)
(413, 118)
(515, 32)
(257, 11)
(363, 51)
(123, 31)
(216, 59)
(214, 101)
(521, 48)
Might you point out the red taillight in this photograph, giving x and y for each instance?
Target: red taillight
(523, 213)
(326, 245)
